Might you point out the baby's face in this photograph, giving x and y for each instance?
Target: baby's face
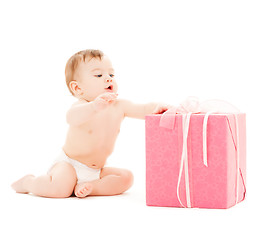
(95, 77)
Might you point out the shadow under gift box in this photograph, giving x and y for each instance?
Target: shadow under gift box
(212, 186)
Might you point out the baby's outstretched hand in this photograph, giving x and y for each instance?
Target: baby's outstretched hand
(161, 108)
(104, 100)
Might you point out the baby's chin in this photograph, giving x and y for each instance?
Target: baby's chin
(110, 91)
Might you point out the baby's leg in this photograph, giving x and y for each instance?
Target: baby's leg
(58, 183)
(112, 181)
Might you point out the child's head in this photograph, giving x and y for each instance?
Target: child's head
(89, 73)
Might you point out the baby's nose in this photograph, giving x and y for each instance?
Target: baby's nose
(109, 80)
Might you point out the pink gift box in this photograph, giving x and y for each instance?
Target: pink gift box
(220, 184)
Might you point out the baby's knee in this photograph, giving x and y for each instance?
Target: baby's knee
(127, 178)
(63, 180)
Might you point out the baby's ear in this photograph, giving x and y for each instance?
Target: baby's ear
(74, 87)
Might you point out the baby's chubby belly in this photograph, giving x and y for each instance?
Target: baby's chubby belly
(92, 143)
(91, 150)
(93, 159)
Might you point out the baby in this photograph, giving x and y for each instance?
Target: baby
(94, 124)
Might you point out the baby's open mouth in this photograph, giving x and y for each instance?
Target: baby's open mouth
(109, 87)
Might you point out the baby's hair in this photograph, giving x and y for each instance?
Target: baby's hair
(73, 62)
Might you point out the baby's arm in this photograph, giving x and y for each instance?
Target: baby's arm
(141, 110)
(82, 111)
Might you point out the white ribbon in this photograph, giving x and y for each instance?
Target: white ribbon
(187, 108)
(184, 161)
(205, 137)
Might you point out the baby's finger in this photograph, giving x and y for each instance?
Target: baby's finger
(161, 109)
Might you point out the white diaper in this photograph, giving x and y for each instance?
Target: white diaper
(84, 173)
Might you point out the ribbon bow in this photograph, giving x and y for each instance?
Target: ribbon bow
(188, 107)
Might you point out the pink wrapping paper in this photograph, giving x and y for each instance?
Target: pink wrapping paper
(212, 186)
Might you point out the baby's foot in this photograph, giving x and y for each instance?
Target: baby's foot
(18, 186)
(83, 190)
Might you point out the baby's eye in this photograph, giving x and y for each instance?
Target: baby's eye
(111, 75)
(99, 75)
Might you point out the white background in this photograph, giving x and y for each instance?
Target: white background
(161, 51)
